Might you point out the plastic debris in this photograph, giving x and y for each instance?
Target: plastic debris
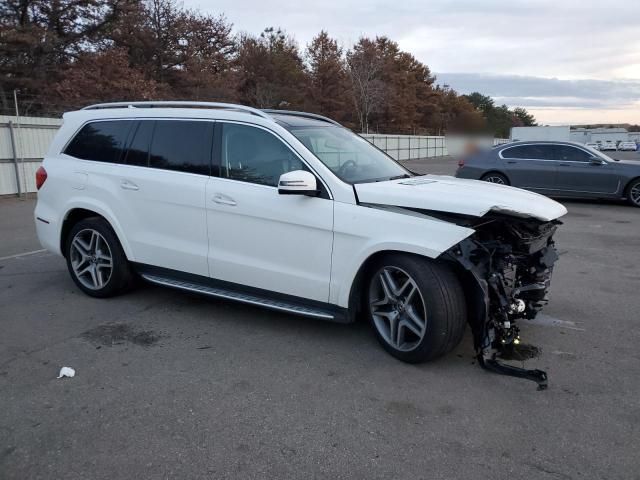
(67, 372)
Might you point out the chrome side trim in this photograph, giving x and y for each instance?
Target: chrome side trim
(238, 297)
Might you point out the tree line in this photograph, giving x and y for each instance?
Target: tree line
(64, 54)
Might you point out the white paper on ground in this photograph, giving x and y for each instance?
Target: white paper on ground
(67, 372)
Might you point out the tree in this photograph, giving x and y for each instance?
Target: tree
(328, 86)
(39, 37)
(365, 69)
(271, 71)
(499, 118)
(103, 77)
(525, 118)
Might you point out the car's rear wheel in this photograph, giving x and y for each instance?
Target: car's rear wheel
(95, 259)
(633, 193)
(416, 307)
(494, 177)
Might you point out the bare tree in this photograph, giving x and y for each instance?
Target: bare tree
(365, 67)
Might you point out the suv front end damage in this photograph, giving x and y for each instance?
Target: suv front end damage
(509, 262)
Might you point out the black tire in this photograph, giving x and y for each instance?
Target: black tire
(120, 277)
(495, 177)
(633, 192)
(444, 306)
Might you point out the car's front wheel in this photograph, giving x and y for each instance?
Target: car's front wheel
(633, 193)
(416, 307)
(96, 260)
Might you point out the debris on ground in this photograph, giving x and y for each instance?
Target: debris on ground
(67, 372)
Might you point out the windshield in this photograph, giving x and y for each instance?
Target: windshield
(349, 156)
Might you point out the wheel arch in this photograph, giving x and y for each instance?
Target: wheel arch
(76, 213)
(625, 190)
(499, 172)
(364, 271)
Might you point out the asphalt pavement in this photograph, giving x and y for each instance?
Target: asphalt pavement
(174, 385)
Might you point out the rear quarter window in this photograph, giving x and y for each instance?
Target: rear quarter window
(102, 141)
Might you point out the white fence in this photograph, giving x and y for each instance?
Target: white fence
(25, 140)
(23, 143)
(408, 147)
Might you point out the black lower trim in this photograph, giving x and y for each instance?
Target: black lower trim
(337, 314)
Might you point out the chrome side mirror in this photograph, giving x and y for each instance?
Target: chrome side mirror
(298, 182)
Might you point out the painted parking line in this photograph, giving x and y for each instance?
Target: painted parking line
(548, 321)
(25, 254)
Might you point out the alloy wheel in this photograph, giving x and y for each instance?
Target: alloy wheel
(495, 179)
(397, 308)
(634, 193)
(91, 259)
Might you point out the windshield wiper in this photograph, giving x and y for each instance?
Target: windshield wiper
(398, 177)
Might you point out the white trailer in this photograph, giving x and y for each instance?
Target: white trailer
(561, 134)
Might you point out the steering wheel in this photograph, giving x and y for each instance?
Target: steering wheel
(346, 165)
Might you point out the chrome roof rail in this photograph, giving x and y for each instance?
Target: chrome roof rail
(301, 114)
(179, 104)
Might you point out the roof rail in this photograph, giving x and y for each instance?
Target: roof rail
(179, 104)
(301, 114)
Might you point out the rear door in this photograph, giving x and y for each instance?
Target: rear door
(529, 166)
(161, 186)
(578, 173)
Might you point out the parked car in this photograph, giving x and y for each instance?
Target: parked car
(627, 146)
(293, 212)
(557, 169)
(608, 145)
(594, 145)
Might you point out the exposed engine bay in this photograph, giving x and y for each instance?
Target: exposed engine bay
(510, 261)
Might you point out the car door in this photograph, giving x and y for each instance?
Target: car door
(257, 237)
(581, 172)
(528, 166)
(162, 185)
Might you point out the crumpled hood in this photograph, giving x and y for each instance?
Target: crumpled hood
(456, 195)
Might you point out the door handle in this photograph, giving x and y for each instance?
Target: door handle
(565, 164)
(511, 162)
(224, 200)
(127, 185)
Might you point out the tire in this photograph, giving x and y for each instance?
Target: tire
(633, 192)
(88, 247)
(494, 177)
(443, 307)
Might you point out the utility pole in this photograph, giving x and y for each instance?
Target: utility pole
(15, 102)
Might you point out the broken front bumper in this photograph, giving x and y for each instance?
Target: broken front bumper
(508, 265)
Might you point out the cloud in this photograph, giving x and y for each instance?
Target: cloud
(529, 91)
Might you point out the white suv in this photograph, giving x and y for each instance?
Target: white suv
(293, 212)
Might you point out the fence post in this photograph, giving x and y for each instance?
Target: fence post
(15, 158)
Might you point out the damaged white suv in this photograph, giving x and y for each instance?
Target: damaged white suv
(293, 212)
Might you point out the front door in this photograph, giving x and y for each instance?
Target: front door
(257, 237)
(578, 173)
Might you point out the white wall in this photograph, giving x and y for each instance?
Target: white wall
(32, 137)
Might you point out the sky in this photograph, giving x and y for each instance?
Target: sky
(566, 61)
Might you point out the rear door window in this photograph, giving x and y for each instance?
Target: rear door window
(102, 141)
(529, 152)
(182, 145)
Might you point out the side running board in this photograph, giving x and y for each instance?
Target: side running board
(240, 297)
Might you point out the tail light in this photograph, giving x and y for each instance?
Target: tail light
(461, 163)
(41, 177)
